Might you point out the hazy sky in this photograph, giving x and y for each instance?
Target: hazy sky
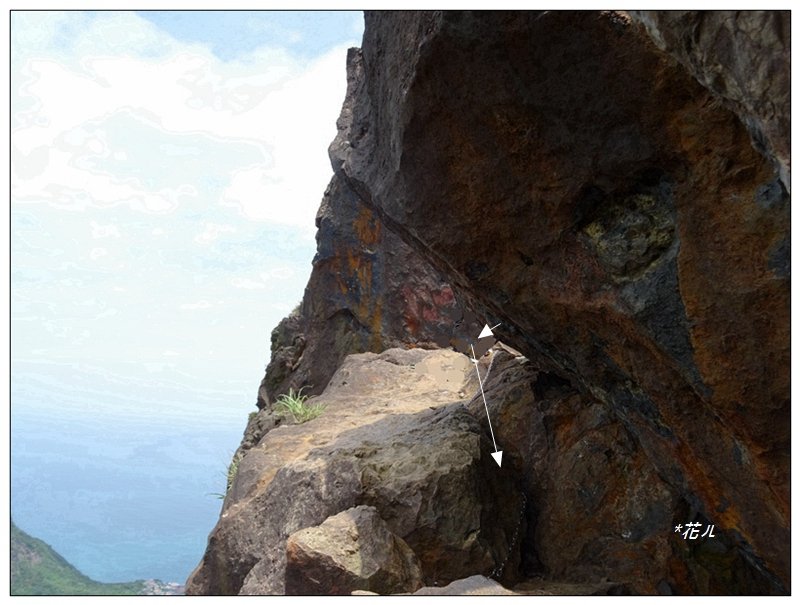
(166, 171)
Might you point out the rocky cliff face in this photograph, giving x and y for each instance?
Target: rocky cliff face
(368, 291)
(612, 188)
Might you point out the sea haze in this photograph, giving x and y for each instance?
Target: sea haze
(117, 474)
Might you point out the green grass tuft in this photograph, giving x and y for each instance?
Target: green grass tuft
(296, 405)
(233, 468)
(230, 475)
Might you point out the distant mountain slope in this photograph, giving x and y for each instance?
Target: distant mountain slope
(37, 569)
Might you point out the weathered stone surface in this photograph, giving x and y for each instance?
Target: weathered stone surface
(744, 57)
(368, 291)
(353, 550)
(578, 185)
(548, 588)
(471, 586)
(394, 435)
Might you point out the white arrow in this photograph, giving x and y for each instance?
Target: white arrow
(487, 331)
(498, 455)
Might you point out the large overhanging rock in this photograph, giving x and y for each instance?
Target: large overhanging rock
(394, 435)
(581, 187)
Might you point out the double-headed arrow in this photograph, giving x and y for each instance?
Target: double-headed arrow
(487, 331)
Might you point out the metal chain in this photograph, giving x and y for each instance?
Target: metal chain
(498, 570)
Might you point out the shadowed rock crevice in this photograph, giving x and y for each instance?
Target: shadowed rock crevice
(597, 507)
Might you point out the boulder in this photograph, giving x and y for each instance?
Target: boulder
(395, 435)
(472, 586)
(601, 511)
(598, 509)
(354, 550)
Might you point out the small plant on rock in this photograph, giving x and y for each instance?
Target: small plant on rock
(230, 475)
(296, 405)
(233, 468)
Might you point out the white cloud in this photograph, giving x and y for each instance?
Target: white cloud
(203, 304)
(212, 231)
(55, 175)
(247, 284)
(100, 231)
(289, 189)
(65, 99)
(112, 119)
(71, 282)
(284, 308)
(277, 273)
(157, 366)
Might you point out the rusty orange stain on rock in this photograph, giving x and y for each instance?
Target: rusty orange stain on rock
(366, 227)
